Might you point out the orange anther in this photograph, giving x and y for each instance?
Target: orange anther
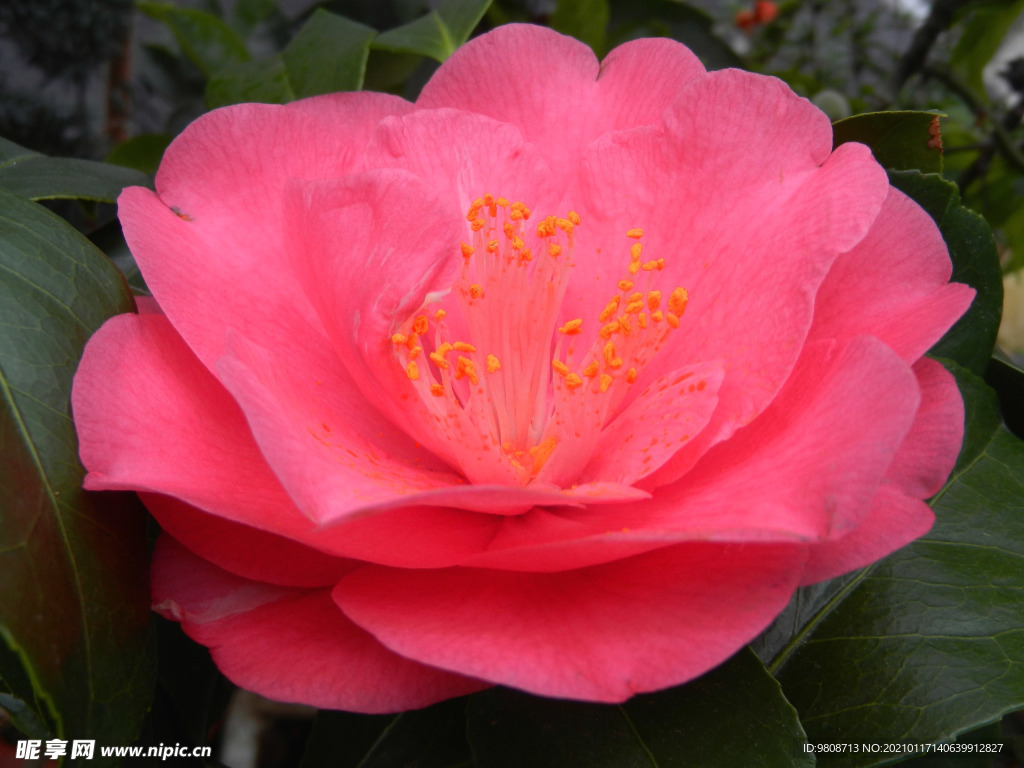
(467, 251)
(591, 370)
(508, 229)
(572, 328)
(624, 326)
(555, 250)
(635, 250)
(421, 324)
(440, 315)
(399, 339)
(609, 329)
(487, 200)
(415, 352)
(642, 319)
(461, 346)
(625, 285)
(464, 368)
(412, 371)
(635, 233)
(610, 309)
(574, 218)
(437, 390)
(672, 320)
(501, 202)
(492, 246)
(677, 301)
(438, 360)
(445, 348)
(560, 368)
(631, 375)
(572, 382)
(606, 382)
(653, 300)
(472, 213)
(517, 243)
(634, 267)
(492, 364)
(525, 255)
(565, 225)
(476, 290)
(657, 316)
(650, 266)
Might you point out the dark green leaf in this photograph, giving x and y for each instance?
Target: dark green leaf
(929, 642)
(733, 716)
(143, 153)
(902, 141)
(989, 735)
(39, 177)
(439, 33)
(586, 20)
(981, 414)
(975, 262)
(207, 41)
(427, 36)
(329, 54)
(980, 39)
(262, 81)
(74, 600)
(246, 14)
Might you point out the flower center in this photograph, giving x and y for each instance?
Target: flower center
(520, 398)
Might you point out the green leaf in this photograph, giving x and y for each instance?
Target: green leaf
(328, 54)
(899, 140)
(975, 262)
(586, 20)
(928, 643)
(439, 33)
(74, 600)
(261, 81)
(981, 37)
(143, 153)
(38, 177)
(427, 36)
(246, 14)
(207, 41)
(989, 735)
(981, 414)
(733, 716)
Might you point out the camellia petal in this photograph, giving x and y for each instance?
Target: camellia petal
(565, 384)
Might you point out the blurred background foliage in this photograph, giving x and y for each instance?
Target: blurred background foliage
(116, 81)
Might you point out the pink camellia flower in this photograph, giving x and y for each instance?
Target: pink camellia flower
(563, 377)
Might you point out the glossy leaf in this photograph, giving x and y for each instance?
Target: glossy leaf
(733, 716)
(899, 140)
(975, 262)
(929, 642)
(586, 20)
(328, 54)
(205, 40)
(263, 81)
(980, 39)
(437, 34)
(143, 153)
(74, 602)
(39, 177)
